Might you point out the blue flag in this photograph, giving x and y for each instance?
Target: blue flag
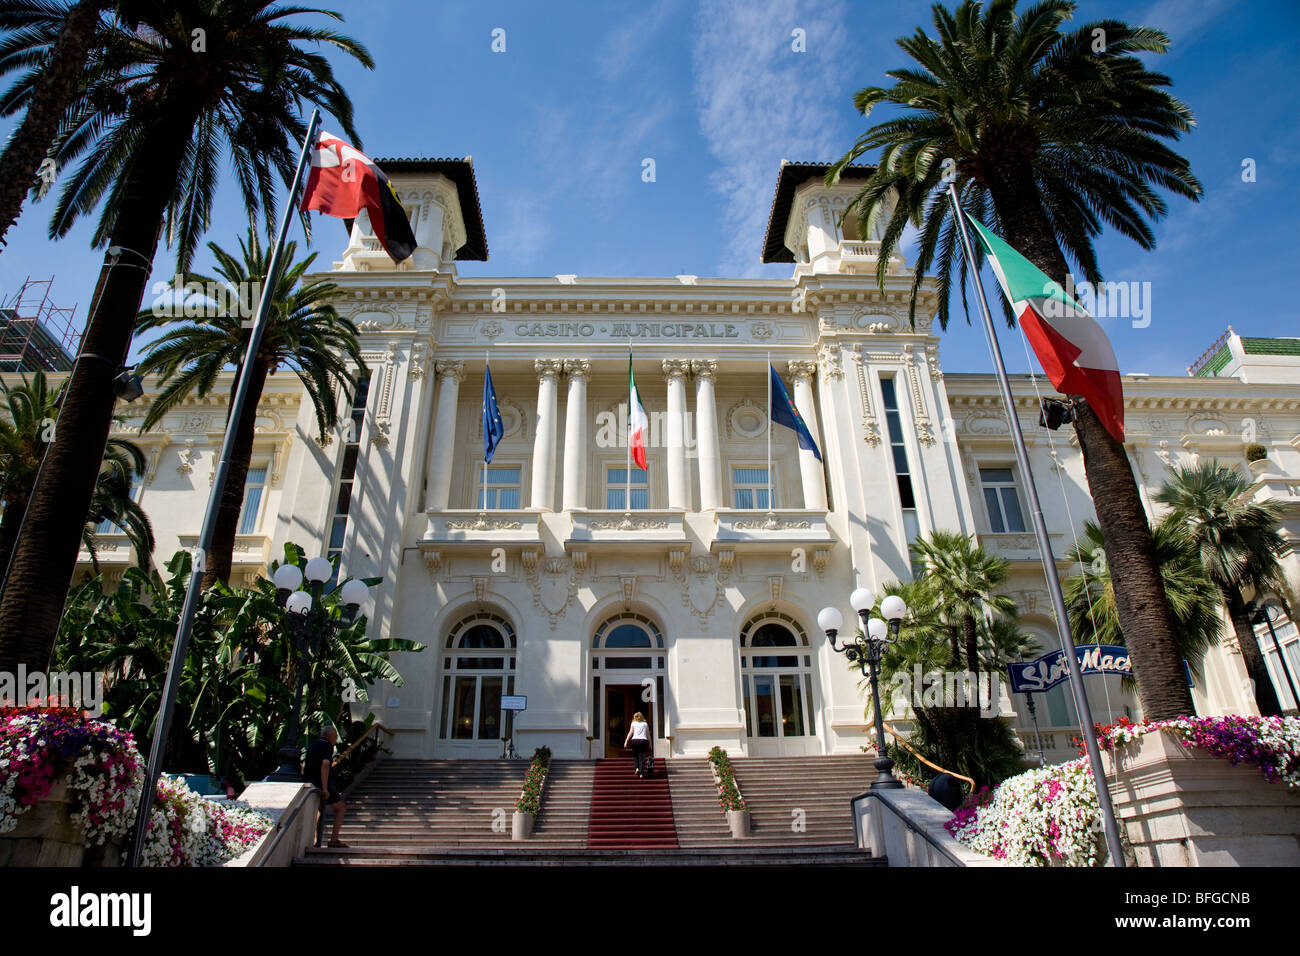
(493, 428)
(784, 413)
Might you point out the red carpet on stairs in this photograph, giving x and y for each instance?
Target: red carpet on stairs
(629, 812)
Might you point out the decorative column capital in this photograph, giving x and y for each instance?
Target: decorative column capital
(577, 368)
(704, 369)
(451, 370)
(676, 369)
(548, 368)
(802, 371)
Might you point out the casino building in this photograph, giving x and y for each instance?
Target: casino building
(684, 590)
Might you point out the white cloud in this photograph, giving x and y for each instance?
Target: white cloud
(759, 102)
(1183, 20)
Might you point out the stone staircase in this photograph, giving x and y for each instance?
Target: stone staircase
(441, 812)
(566, 805)
(775, 787)
(423, 804)
(700, 821)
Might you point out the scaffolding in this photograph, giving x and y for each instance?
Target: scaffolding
(35, 334)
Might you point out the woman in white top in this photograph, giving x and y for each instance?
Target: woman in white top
(639, 738)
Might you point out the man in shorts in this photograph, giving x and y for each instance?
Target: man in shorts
(316, 771)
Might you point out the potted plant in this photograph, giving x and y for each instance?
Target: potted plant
(530, 796)
(729, 796)
(1257, 459)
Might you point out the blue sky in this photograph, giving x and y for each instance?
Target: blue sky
(559, 124)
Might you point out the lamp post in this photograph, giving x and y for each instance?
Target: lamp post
(866, 650)
(308, 621)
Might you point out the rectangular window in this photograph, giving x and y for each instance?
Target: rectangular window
(1289, 640)
(254, 486)
(898, 451)
(616, 488)
(1001, 499)
(749, 488)
(338, 523)
(503, 486)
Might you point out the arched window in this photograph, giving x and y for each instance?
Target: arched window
(620, 637)
(478, 668)
(776, 678)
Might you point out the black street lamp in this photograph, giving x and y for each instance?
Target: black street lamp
(1259, 615)
(866, 650)
(309, 622)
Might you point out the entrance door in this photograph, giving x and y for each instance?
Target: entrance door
(621, 702)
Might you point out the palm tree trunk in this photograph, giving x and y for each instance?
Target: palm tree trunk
(1265, 694)
(972, 653)
(1144, 614)
(15, 508)
(54, 89)
(222, 548)
(46, 555)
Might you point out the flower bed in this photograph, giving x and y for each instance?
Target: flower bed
(1050, 815)
(104, 773)
(530, 797)
(729, 797)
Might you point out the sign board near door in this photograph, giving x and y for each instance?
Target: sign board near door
(514, 702)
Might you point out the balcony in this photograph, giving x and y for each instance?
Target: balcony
(468, 529)
(634, 529)
(1021, 545)
(861, 256)
(760, 530)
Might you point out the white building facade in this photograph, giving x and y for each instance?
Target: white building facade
(683, 591)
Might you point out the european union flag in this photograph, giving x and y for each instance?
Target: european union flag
(493, 428)
(784, 413)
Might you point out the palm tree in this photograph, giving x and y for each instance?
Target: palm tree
(1090, 595)
(1237, 541)
(25, 432)
(61, 38)
(196, 81)
(966, 576)
(1052, 135)
(304, 333)
(113, 503)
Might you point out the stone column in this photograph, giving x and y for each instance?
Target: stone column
(679, 486)
(810, 469)
(442, 444)
(548, 374)
(706, 435)
(576, 438)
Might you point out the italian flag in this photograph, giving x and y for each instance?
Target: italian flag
(636, 418)
(1070, 344)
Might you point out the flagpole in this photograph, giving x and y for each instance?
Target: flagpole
(185, 625)
(487, 371)
(771, 504)
(1045, 551)
(627, 436)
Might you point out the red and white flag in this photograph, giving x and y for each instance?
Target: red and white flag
(343, 181)
(1070, 344)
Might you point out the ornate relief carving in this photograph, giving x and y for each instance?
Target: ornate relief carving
(700, 588)
(704, 368)
(676, 369)
(554, 581)
(829, 357)
(627, 523)
(745, 419)
(761, 331)
(548, 368)
(433, 562)
(577, 368)
(492, 328)
(417, 361)
(483, 523)
(188, 454)
(772, 523)
(870, 429)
